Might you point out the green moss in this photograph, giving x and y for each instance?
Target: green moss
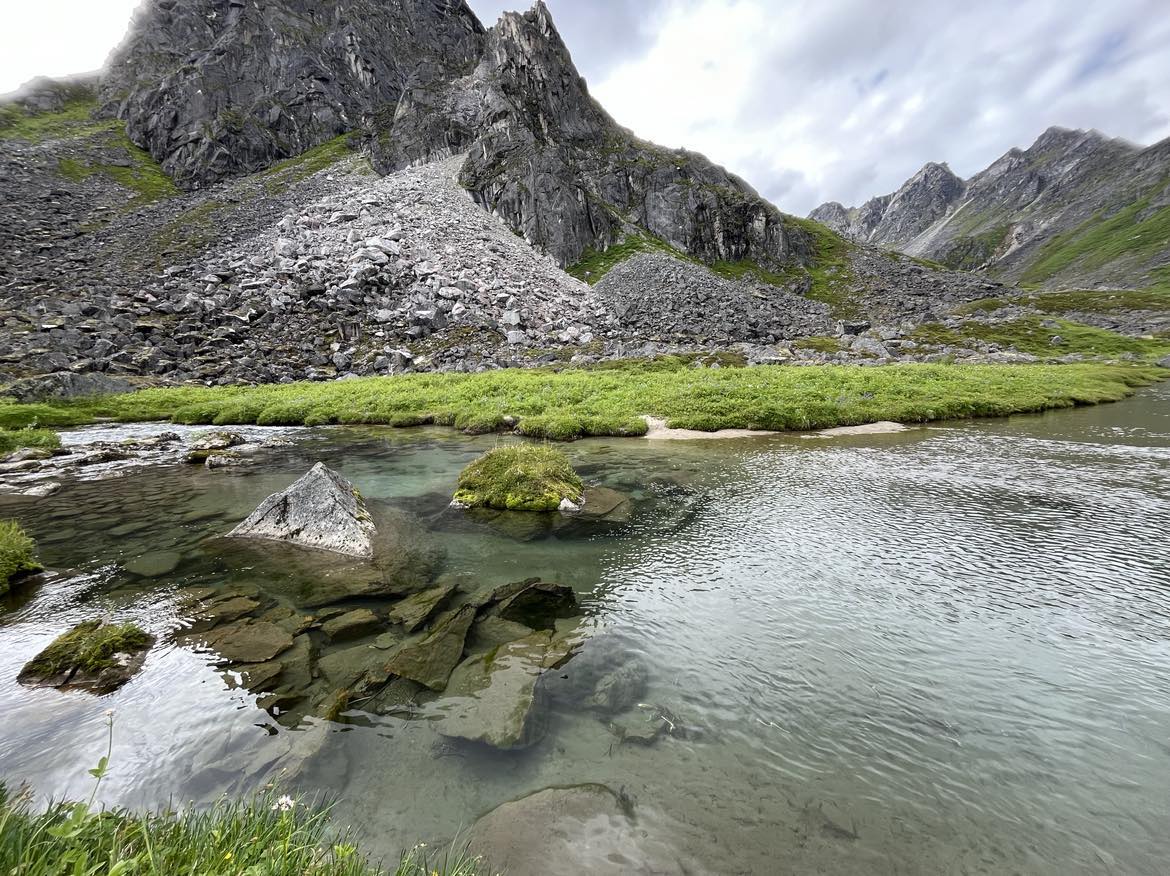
(88, 647)
(17, 554)
(284, 174)
(1031, 335)
(1137, 232)
(520, 477)
(609, 400)
(15, 439)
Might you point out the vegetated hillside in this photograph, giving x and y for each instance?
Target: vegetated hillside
(1074, 210)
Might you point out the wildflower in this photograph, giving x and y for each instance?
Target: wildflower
(283, 803)
(227, 856)
(109, 713)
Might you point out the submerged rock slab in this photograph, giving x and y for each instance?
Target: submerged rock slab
(413, 611)
(322, 510)
(569, 831)
(494, 698)
(430, 660)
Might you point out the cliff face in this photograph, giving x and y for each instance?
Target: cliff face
(215, 89)
(1074, 209)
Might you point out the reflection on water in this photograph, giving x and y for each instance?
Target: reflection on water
(945, 650)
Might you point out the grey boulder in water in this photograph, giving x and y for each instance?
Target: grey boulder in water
(322, 510)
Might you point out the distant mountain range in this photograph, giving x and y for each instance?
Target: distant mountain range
(1076, 209)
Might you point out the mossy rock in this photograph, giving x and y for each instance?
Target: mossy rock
(94, 656)
(17, 560)
(520, 477)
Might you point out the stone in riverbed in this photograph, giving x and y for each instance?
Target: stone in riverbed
(351, 625)
(245, 641)
(155, 564)
(322, 510)
(430, 660)
(619, 689)
(532, 602)
(569, 831)
(413, 611)
(495, 698)
(93, 656)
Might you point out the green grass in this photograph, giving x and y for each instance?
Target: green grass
(520, 477)
(15, 439)
(144, 176)
(17, 553)
(263, 836)
(284, 174)
(1135, 232)
(1100, 300)
(75, 119)
(968, 253)
(595, 264)
(1030, 335)
(605, 400)
(831, 271)
(89, 646)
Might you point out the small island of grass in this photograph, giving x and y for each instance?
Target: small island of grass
(95, 655)
(520, 477)
(17, 557)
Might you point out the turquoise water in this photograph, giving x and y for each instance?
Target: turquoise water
(944, 650)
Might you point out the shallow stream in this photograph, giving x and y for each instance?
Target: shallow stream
(945, 650)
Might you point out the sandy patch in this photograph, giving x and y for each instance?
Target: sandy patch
(658, 430)
(882, 427)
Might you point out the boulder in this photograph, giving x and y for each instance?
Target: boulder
(494, 698)
(569, 831)
(322, 510)
(94, 656)
(430, 660)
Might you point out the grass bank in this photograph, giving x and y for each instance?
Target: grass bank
(17, 553)
(269, 835)
(572, 403)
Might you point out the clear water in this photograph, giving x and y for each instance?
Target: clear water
(940, 651)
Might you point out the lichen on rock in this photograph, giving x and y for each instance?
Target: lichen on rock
(322, 510)
(520, 477)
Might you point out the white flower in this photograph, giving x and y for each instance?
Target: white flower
(284, 803)
(109, 713)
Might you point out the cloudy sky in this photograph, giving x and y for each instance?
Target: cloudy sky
(808, 100)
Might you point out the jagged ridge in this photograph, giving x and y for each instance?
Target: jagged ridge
(1074, 209)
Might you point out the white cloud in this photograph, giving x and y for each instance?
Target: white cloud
(58, 37)
(808, 100)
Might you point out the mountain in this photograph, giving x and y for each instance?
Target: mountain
(1075, 209)
(279, 190)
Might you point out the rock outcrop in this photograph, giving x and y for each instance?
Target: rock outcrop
(213, 89)
(211, 92)
(1075, 209)
(322, 510)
